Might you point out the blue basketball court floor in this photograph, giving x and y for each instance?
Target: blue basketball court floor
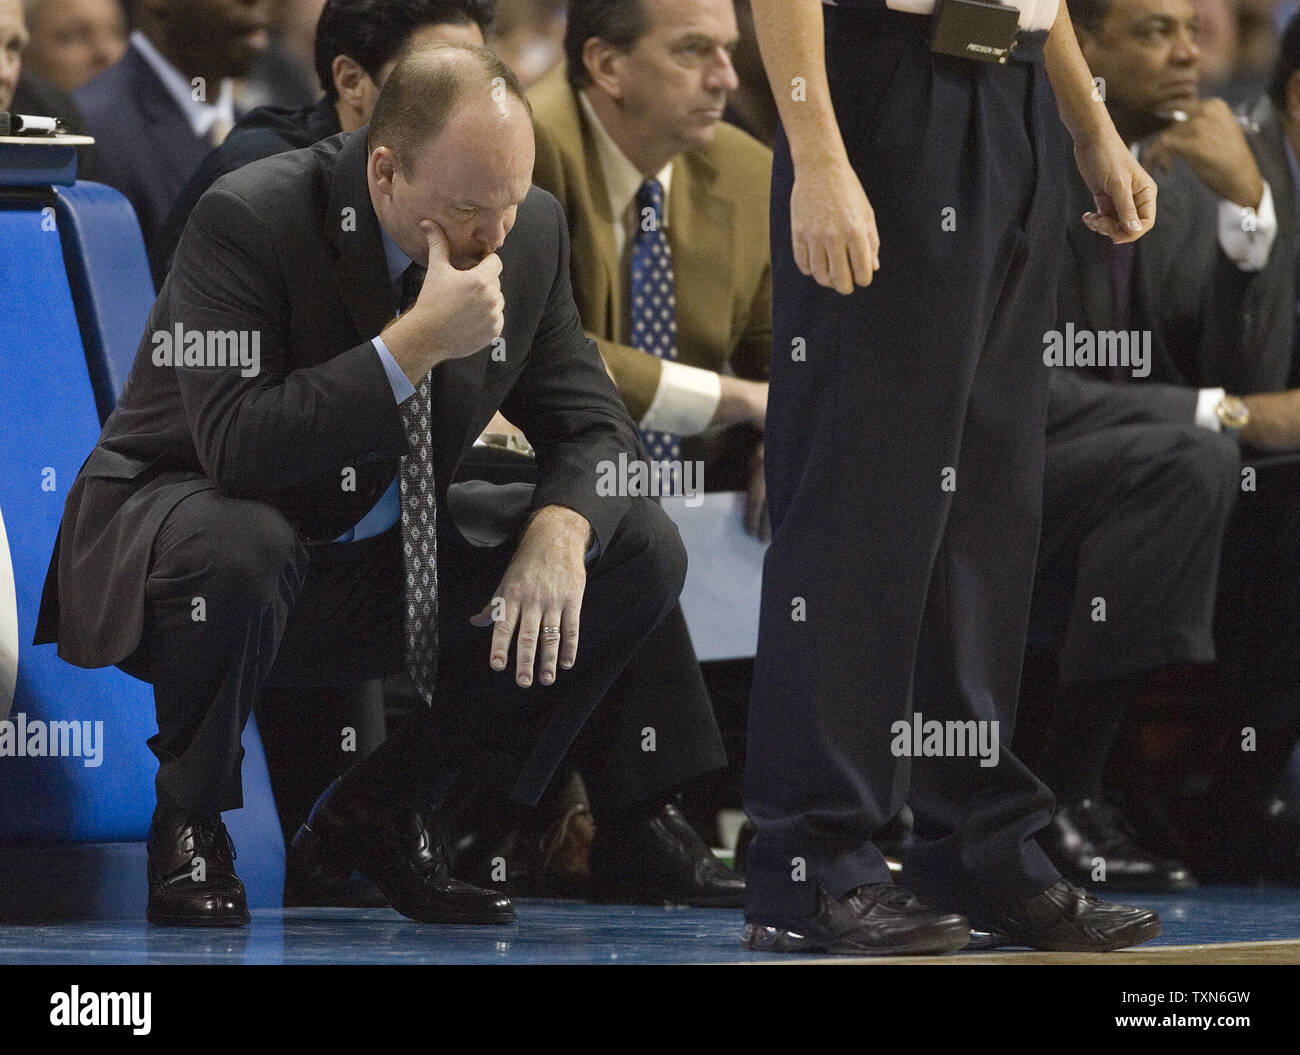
(1219, 925)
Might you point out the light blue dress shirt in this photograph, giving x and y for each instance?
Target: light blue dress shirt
(388, 510)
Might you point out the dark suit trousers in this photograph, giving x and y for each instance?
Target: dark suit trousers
(655, 732)
(275, 614)
(1134, 516)
(904, 468)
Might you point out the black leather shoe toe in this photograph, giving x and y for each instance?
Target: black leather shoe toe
(1064, 918)
(396, 850)
(191, 870)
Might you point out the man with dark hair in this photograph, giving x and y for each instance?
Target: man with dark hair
(357, 45)
(620, 23)
(170, 99)
(1158, 498)
(300, 496)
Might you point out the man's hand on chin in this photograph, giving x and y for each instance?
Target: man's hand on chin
(540, 596)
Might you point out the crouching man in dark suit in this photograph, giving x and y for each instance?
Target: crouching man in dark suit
(269, 503)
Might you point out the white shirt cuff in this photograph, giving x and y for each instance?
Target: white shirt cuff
(1247, 235)
(685, 402)
(1207, 399)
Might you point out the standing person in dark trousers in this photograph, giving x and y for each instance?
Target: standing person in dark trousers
(917, 217)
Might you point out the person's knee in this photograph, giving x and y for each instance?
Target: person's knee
(245, 552)
(647, 534)
(1209, 466)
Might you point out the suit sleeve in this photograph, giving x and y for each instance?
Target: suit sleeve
(569, 409)
(1079, 404)
(262, 429)
(638, 373)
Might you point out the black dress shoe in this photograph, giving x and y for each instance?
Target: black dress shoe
(879, 919)
(395, 850)
(1091, 831)
(1064, 918)
(191, 867)
(658, 859)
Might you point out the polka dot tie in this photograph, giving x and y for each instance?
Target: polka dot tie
(419, 522)
(653, 291)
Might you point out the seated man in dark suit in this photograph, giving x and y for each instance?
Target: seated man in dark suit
(1143, 470)
(269, 502)
(170, 99)
(357, 45)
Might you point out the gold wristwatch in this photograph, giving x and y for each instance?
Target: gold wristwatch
(1233, 414)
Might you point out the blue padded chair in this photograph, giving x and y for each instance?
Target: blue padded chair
(108, 273)
(72, 828)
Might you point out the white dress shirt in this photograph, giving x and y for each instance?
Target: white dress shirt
(201, 114)
(687, 396)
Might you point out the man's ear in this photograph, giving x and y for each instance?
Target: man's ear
(351, 82)
(382, 169)
(604, 64)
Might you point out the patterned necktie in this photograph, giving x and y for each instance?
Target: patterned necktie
(653, 292)
(419, 522)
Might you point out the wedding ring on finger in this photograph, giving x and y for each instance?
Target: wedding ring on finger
(551, 631)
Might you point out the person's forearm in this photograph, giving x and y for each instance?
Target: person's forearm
(790, 37)
(741, 400)
(1274, 420)
(561, 527)
(1082, 110)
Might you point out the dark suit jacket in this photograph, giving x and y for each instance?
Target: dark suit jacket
(147, 149)
(1213, 325)
(1268, 140)
(272, 249)
(262, 133)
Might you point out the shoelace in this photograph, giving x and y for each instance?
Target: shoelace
(209, 832)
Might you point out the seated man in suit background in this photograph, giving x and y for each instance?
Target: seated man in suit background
(630, 125)
(357, 45)
(633, 114)
(169, 100)
(275, 516)
(1143, 472)
(74, 40)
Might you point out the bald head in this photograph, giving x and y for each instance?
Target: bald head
(450, 141)
(429, 84)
